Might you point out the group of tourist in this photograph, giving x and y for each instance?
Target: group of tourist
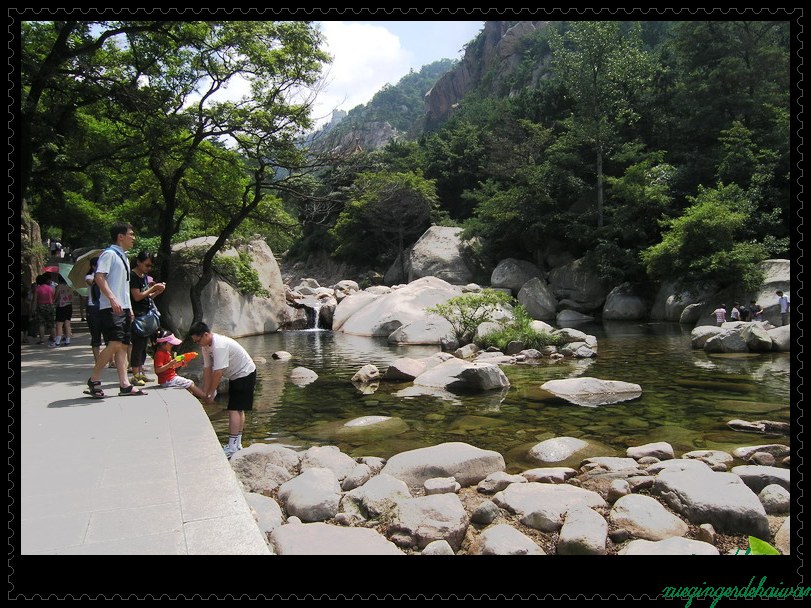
(753, 312)
(47, 308)
(118, 296)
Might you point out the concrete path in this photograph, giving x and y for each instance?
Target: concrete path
(121, 475)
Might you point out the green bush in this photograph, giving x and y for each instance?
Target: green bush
(519, 328)
(239, 273)
(466, 312)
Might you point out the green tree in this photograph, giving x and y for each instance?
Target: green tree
(703, 247)
(466, 312)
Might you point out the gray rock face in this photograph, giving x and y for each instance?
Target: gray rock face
(758, 477)
(359, 476)
(583, 533)
(728, 341)
(264, 467)
(775, 499)
(438, 547)
(504, 540)
(625, 303)
(420, 521)
(781, 338)
(591, 392)
(720, 499)
(440, 253)
(495, 482)
(778, 450)
(367, 373)
(485, 513)
(376, 497)
(464, 462)
(441, 485)
(645, 518)
(455, 374)
(669, 303)
(323, 539)
(536, 296)
(660, 449)
(268, 512)
(328, 457)
(542, 506)
(513, 274)
(782, 540)
(404, 370)
(312, 496)
(225, 309)
(578, 284)
(702, 333)
(671, 546)
(757, 339)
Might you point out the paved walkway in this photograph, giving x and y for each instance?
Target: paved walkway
(121, 475)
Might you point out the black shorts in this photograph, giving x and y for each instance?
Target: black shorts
(115, 328)
(64, 313)
(94, 324)
(240, 392)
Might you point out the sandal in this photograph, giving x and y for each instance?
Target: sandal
(130, 391)
(94, 390)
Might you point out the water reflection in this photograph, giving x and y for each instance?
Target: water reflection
(687, 396)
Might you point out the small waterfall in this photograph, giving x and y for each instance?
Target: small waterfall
(314, 316)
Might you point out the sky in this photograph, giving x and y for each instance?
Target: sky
(369, 54)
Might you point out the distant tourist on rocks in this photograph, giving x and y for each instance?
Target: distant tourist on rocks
(736, 313)
(756, 311)
(746, 314)
(166, 364)
(115, 310)
(223, 357)
(720, 314)
(784, 303)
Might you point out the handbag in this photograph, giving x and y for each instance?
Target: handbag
(148, 323)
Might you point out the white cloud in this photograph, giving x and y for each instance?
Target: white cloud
(365, 57)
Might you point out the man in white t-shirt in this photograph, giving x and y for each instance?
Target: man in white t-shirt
(784, 304)
(223, 357)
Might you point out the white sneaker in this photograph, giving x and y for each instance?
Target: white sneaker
(53, 345)
(229, 451)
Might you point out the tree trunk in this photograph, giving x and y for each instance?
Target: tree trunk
(599, 188)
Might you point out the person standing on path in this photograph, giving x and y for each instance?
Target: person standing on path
(46, 311)
(115, 309)
(93, 320)
(223, 357)
(141, 294)
(784, 303)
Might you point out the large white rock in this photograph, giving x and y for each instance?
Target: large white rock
(644, 517)
(710, 457)
(613, 463)
(324, 539)
(456, 374)
(720, 499)
(383, 315)
(679, 464)
(591, 392)
(625, 303)
(557, 449)
(660, 449)
(430, 330)
(495, 482)
(778, 450)
(375, 498)
(577, 287)
(328, 457)
(584, 532)
(268, 512)
(758, 477)
(312, 496)
(351, 305)
(225, 309)
(542, 506)
(538, 299)
(781, 338)
(504, 540)
(441, 253)
(702, 333)
(670, 546)
(777, 277)
(756, 337)
(420, 521)
(405, 369)
(466, 463)
(264, 467)
(513, 274)
(728, 341)
(775, 499)
(438, 547)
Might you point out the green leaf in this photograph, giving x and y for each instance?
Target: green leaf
(761, 547)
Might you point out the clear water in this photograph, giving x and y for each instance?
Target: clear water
(688, 397)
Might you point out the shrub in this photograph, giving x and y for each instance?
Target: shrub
(519, 328)
(239, 273)
(466, 312)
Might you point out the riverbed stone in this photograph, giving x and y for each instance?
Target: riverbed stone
(438, 547)
(301, 376)
(758, 477)
(264, 467)
(375, 498)
(570, 334)
(728, 341)
(660, 449)
(504, 540)
(485, 513)
(763, 458)
(644, 517)
(618, 489)
(756, 337)
(671, 546)
(325, 539)
(312, 496)
(375, 463)
(549, 474)
(268, 512)
(642, 482)
(456, 374)
(328, 457)
(584, 532)
(720, 499)
(536, 296)
(760, 426)
(679, 464)
(557, 449)
(648, 460)
(702, 333)
(782, 540)
(578, 350)
(542, 506)
(281, 355)
(591, 392)
(419, 521)
(466, 352)
(710, 457)
(613, 463)
(405, 369)
(466, 463)
(781, 338)
(778, 450)
(367, 373)
(775, 499)
(359, 476)
(441, 485)
(495, 482)
(513, 274)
